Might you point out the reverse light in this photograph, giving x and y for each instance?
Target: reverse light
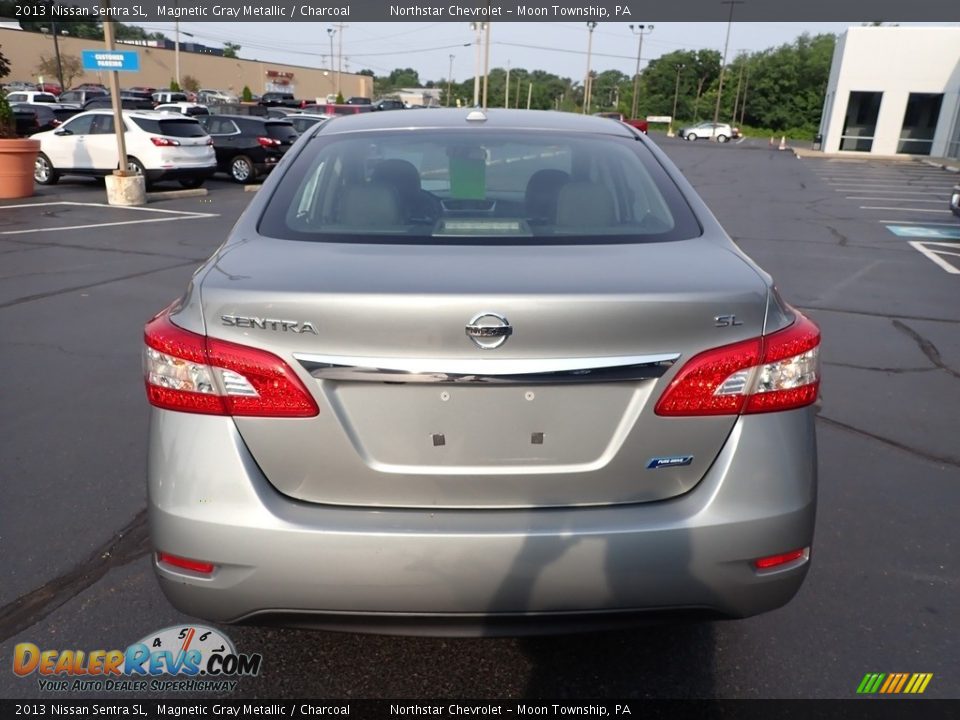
(197, 374)
(164, 142)
(774, 561)
(197, 566)
(268, 142)
(780, 371)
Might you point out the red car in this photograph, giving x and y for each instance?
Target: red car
(53, 88)
(638, 123)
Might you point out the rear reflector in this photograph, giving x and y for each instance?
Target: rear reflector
(193, 373)
(772, 561)
(780, 371)
(197, 566)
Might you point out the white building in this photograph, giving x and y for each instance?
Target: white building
(894, 91)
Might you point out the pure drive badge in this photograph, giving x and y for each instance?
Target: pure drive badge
(669, 461)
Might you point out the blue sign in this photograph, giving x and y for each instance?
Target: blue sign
(918, 231)
(123, 60)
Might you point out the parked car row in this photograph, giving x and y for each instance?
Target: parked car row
(176, 143)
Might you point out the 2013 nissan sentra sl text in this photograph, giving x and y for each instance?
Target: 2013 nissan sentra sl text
(479, 373)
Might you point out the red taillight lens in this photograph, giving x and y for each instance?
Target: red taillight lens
(164, 142)
(197, 566)
(772, 561)
(197, 374)
(268, 142)
(780, 371)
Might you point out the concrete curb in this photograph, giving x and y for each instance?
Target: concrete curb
(251, 188)
(174, 194)
(942, 165)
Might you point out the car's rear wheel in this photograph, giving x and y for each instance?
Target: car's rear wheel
(722, 138)
(191, 183)
(241, 169)
(691, 136)
(43, 172)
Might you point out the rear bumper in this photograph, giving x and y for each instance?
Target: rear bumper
(478, 572)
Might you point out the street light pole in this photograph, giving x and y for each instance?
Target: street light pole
(478, 28)
(636, 76)
(723, 64)
(176, 51)
(450, 79)
(676, 94)
(486, 60)
(736, 101)
(591, 26)
(331, 32)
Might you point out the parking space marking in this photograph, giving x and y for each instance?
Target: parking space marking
(170, 215)
(893, 199)
(905, 209)
(915, 222)
(935, 255)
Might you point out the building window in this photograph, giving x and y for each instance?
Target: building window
(920, 123)
(860, 122)
(953, 147)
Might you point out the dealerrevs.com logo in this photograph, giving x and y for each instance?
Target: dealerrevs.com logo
(176, 659)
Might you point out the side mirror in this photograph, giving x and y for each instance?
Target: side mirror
(63, 132)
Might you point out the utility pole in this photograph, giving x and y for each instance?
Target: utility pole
(516, 103)
(736, 102)
(331, 32)
(114, 80)
(340, 28)
(641, 31)
(591, 26)
(176, 52)
(676, 94)
(450, 79)
(723, 64)
(529, 94)
(478, 28)
(506, 94)
(486, 59)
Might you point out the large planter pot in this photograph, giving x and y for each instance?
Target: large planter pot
(17, 157)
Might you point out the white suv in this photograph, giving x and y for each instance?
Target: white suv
(30, 96)
(721, 132)
(160, 146)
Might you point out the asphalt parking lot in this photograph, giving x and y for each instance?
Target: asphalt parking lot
(78, 280)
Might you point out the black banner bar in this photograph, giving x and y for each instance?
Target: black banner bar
(133, 11)
(858, 709)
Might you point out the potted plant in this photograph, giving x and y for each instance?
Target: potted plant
(17, 155)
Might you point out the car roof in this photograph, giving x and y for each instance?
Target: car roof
(500, 119)
(230, 116)
(148, 114)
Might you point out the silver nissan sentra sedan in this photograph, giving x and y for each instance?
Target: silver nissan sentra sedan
(479, 373)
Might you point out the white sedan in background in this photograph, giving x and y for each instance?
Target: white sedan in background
(160, 146)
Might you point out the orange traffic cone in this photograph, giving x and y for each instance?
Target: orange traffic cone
(783, 143)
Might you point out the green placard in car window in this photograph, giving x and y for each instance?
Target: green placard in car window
(468, 175)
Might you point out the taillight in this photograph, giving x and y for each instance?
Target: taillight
(198, 374)
(780, 371)
(164, 142)
(268, 142)
(209, 141)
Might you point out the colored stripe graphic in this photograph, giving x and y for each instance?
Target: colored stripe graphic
(894, 683)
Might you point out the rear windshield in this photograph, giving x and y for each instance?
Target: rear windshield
(282, 131)
(171, 128)
(477, 187)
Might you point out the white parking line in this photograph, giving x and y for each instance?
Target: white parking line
(915, 222)
(916, 200)
(934, 255)
(877, 191)
(905, 209)
(171, 215)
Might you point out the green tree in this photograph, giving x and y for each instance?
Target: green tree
(230, 50)
(174, 86)
(405, 77)
(340, 99)
(8, 126)
(71, 66)
(190, 83)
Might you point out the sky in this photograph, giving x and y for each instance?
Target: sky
(557, 47)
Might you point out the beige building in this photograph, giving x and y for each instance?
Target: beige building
(158, 68)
